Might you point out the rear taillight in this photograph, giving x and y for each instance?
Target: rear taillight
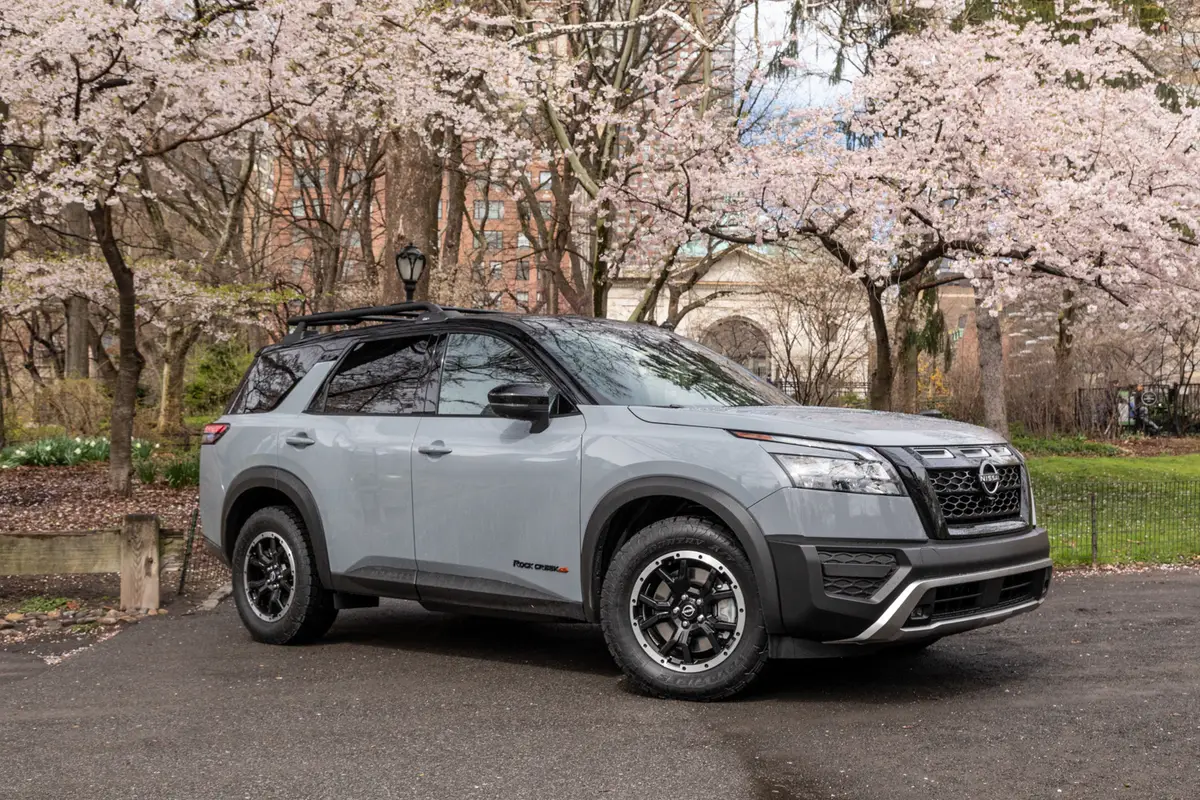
(213, 431)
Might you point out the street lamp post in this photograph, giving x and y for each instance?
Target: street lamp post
(410, 263)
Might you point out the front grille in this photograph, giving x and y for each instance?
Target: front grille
(977, 597)
(854, 574)
(963, 500)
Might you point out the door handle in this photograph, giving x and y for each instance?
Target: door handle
(299, 439)
(434, 448)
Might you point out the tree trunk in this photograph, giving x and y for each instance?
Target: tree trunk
(412, 191)
(991, 368)
(104, 365)
(76, 359)
(908, 354)
(1064, 372)
(175, 353)
(129, 368)
(879, 391)
(452, 288)
(78, 334)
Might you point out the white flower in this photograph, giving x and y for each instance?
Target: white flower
(78, 451)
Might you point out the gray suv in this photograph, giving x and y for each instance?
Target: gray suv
(586, 470)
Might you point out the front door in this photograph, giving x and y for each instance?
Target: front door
(496, 506)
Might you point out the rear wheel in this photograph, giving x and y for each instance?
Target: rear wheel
(681, 613)
(275, 583)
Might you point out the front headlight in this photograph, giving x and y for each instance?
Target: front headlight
(841, 474)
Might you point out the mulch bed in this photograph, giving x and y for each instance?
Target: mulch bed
(1160, 446)
(78, 499)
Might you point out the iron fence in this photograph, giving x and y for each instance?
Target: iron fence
(201, 570)
(1120, 522)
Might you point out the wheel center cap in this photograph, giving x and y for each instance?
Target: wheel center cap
(688, 611)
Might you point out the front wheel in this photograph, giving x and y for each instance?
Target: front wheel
(275, 584)
(681, 613)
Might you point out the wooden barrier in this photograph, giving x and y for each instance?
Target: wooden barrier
(137, 551)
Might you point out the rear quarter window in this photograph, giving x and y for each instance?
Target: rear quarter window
(272, 376)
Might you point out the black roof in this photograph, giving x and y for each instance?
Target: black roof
(402, 315)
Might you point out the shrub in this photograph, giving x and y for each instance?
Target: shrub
(182, 471)
(146, 470)
(1034, 446)
(218, 371)
(63, 451)
(78, 405)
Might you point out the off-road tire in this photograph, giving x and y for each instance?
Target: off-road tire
(645, 673)
(311, 611)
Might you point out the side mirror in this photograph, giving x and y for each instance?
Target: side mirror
(527, 401)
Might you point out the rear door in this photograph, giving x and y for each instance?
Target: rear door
(353, 448)
(496, 506)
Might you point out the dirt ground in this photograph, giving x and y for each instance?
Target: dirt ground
(77, 498)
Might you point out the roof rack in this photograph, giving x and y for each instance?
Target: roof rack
(399, 312)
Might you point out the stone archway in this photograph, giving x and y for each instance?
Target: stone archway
(741, 340)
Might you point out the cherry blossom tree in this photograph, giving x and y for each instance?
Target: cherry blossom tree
(98, 92)
(1005, 149)
(174, 309)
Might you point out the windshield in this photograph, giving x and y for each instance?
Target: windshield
(640, 365)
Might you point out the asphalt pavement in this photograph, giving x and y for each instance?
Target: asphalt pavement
(1096, 695)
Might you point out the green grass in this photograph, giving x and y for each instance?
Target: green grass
(41, 605)
(1146, 509)
(1107, 470)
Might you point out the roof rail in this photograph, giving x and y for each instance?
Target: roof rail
(353, 316)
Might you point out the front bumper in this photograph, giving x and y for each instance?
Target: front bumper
(856, 592)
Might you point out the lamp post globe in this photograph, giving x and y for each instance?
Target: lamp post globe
(410, 263)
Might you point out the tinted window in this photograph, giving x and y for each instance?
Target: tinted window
(273, 375)
(387, 376)
(474, 365)
(641, 365)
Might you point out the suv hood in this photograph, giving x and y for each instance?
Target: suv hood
(846, 425)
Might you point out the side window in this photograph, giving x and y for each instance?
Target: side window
(474, 365)
(273, 375)
(386, 376)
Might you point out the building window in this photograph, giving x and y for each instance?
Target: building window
(522, 298)
(297, 267)
(523, 269)
(489, 209)
(491, 300)
(439, 209)
(497, 269)
(522, 240)
(483, 150)
(298, 208)
(544, 178)
(547, 211)
(541, 298)
(309, 179)
(493, 240)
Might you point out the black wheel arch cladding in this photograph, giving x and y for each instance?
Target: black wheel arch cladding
(732, 514)
(273, 481)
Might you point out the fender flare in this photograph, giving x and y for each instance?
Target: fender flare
(295, 490)
(733, 514)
